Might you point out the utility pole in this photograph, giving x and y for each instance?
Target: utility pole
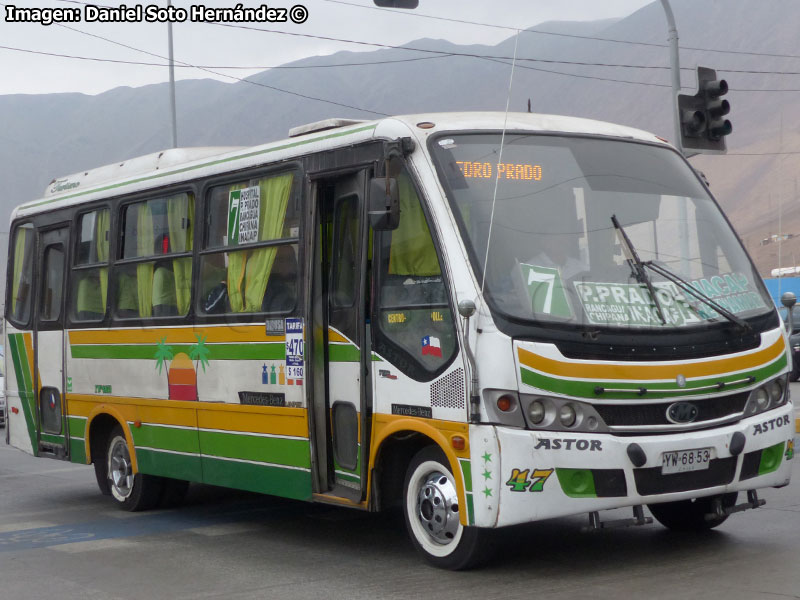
(675, 70)
(172, 84)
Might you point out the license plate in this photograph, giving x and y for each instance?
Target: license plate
(682, 461)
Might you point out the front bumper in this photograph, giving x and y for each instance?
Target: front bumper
(520, 475)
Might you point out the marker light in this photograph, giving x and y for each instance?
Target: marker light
(505, 403)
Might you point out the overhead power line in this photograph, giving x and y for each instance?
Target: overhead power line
(418, 14)
(218, 74)
(225, 67)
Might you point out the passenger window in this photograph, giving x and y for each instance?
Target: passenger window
(22, 265)
(90, 281)
(160, 232)
(263, 276)
(415, 324)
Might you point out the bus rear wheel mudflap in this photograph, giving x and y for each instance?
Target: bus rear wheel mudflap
(432, 514)
(132, 492)
(692, 515)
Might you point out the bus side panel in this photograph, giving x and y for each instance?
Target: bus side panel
(256, 448)
(20, 393)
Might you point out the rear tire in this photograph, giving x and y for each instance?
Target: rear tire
(131, 492)
(430, 506)
(690, 515)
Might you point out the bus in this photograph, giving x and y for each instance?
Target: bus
(485, 319)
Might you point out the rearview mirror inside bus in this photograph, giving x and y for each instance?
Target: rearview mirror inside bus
(384, 204)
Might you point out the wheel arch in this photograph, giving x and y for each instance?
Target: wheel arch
(100, 423)
(396, 444)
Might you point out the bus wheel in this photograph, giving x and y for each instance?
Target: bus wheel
(690, 515)
(132, 492)
(432, 514)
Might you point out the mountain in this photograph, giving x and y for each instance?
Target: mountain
(46, 136)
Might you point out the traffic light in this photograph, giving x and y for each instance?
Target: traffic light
(703, 126)
(397, 3)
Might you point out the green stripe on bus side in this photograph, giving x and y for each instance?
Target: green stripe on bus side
(165, 464)
(264, 479)
(466, 470)
(293, 453)
(13, 341)
(195, 167)
(255, 351)
(343, 353)
(77, 451)
(52, 438)
(585, 389)
(166, 438)
(348, 477)
(470, 510)
(77, 427)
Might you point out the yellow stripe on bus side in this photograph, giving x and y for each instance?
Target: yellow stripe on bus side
(254, 419)
(183, 413)
(608, 371)
(178, 335)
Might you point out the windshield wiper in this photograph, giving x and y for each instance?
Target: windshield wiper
(637, 266)
(687, 287)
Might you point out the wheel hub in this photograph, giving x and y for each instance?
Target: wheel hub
(437, 508)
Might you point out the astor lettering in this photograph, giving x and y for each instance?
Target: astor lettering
(569, 444)
(770, 425)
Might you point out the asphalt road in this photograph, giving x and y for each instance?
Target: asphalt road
(60, 538)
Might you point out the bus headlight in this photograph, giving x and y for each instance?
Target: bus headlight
(559, 414)
(536, 412)
(567, 415)
(765, 397)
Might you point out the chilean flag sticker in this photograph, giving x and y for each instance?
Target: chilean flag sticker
(431, 346)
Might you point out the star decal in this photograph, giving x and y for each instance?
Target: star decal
(487, 457)
(487, 492)
(487, 475)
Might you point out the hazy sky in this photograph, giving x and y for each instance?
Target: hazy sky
(219, 46)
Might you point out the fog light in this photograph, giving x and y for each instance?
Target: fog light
(761, 398)
(567, 416)
(536, 412)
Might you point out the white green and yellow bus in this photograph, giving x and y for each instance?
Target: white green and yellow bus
(486, 319)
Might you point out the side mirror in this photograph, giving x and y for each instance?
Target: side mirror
(384, 204)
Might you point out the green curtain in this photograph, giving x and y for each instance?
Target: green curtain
(180, 217)
(19, 262)
(102, 233)
(144, 247)
(236, 268)
(412, 251)
(272, 216)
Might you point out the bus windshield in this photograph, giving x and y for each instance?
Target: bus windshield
(539, 224)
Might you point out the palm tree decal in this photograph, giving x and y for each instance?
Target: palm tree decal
(199, 352)
(163, 354)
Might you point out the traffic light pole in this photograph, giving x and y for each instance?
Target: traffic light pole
(675, 70)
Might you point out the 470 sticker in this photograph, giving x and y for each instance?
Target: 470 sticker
(520, 481)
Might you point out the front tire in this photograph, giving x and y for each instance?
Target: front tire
(132, 492)
(690, 515)
(431, 509)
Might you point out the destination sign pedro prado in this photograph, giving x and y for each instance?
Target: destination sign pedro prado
(152, 13)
